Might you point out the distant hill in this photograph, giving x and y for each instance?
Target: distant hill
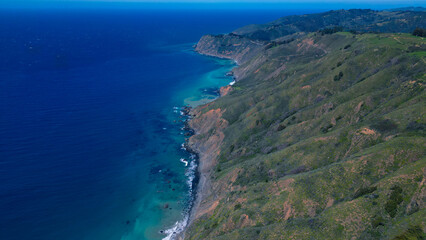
(245, 42)
(363, 20)
(415, 9)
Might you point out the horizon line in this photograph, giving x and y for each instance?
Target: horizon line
(221, 4)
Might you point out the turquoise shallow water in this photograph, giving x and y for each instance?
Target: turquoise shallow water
(172, 207)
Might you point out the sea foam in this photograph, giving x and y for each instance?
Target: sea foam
(179, 226)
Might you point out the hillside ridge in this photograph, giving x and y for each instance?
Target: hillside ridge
(322, 136)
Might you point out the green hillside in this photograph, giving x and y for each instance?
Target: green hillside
(322, 137)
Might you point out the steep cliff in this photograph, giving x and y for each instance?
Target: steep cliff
(207, 140)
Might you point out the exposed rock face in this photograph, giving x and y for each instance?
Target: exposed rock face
(207, 140)
(225, 90)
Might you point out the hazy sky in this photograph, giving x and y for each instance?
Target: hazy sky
(322, 4)
(415, 2)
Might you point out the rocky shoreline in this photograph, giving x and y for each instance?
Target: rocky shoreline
(196, 147)
(191, 173)
(205, 141)
(195, 125)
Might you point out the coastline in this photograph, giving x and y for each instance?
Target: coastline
(199, 146)
(201, 161)
(226, 202)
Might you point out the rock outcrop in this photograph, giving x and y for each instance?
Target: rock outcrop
(206, 142)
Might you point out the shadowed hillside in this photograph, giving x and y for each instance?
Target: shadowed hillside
(362, 20)
(245, 42)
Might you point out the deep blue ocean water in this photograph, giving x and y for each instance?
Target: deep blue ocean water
(90, 142)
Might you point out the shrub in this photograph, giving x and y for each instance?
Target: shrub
(338, 77)
(298, 170)
(394, 200)
(281, 127)
(415, 232)
(385, 125)
(328, 93)
(331, 30)
(377, 221)
(231, 148)
(419, 32)
(415, 126)
(326, 128)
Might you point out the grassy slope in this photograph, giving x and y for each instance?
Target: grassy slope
(322, 156)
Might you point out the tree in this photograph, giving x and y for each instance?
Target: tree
(419, 32)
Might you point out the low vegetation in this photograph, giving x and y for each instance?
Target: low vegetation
(325, 140)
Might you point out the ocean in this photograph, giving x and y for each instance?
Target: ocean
(90, 117)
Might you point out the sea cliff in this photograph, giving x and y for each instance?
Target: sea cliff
(322, 135)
